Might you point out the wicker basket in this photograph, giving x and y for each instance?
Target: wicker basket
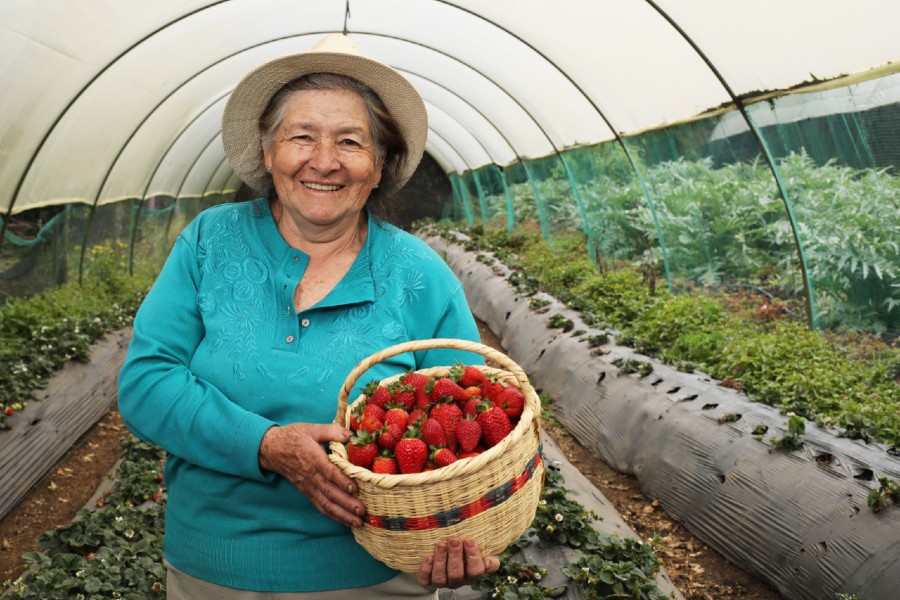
(491, 497)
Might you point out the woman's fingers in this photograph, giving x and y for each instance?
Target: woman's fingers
(423, 575)
(474, 563)
(295, 451)
(439, 565)
(455, 563)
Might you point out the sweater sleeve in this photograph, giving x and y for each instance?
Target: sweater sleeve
(162, 402)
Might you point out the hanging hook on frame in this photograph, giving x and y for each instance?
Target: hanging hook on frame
(346, 17)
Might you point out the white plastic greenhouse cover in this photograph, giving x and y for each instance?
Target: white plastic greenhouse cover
(112, 99)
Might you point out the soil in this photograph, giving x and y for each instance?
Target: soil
(699, 572)
(64, 491)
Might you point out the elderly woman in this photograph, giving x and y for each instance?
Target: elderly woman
(259, 314)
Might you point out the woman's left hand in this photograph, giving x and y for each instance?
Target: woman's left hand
(455, 563)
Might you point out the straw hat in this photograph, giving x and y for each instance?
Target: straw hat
(336, 53)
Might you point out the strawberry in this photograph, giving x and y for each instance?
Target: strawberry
(471, 454)
(470, 408)
(397, 415)
(377, 393)
(416, 415)
(495, 424)
(447, 387)
(491, 387)
(466, 376)
(448, 415)
(473, 391)
(9, 411)
(433, 433)
(512, 401)
(411, 454)
(403, 395)
(419, 381)
(362, 450)
(468, 434)
(356, 413)
(443, 457)
(389, 435)
(373, 410)
(385, 464)
(370, 423)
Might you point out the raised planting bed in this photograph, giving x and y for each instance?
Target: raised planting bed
(799, 519)
(75, 398)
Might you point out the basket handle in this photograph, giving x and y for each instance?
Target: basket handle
(415, 346)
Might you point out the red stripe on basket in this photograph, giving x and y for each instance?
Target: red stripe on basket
(494, 497)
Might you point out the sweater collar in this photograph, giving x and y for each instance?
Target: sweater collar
(357, 286)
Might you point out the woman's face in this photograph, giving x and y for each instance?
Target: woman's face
(322, 157)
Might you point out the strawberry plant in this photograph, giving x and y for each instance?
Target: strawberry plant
(516, 580)
(608, 575)
(558, 321)
(113, 552)
(562, 521)
(888, 492)
(608, 564)
(848, 382)
(39, 334)
(793, 436)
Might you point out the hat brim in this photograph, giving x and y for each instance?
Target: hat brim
(240, 121)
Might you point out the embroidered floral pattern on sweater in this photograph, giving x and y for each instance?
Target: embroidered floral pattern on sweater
(351, 334)
(232, 299)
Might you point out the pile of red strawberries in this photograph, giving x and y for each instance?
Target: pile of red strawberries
(422, 422)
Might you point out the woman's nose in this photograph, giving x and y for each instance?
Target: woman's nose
(324, 157)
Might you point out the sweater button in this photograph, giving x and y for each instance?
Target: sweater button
(289, 339)
(304, 323)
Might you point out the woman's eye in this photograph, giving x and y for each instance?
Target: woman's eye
(349, 142)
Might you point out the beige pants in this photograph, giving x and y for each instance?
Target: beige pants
(180, 586)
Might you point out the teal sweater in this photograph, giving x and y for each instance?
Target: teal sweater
(219, 356)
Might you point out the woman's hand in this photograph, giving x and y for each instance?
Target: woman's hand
(455, 563)
(295, 452)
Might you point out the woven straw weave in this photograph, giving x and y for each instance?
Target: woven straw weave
(491, 497)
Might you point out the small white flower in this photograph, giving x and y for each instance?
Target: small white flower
(79, 573)
(511, 579)
(119, 519)
(558, 517)
(129, 533)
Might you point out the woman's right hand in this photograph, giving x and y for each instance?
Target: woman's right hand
(296, 452)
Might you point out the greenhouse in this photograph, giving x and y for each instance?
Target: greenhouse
(676, 225)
